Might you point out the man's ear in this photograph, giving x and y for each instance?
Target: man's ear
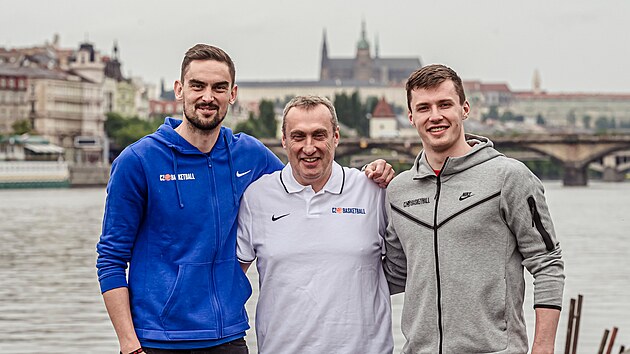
(178, 89)
(466, 108)
(233, 94)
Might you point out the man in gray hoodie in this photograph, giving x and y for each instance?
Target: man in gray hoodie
(464, 221)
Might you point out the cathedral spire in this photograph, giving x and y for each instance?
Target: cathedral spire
(363, 43)
(324, 46)
(324, 70)
(115, 51)
(363, 35)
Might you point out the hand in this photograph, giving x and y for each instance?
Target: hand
(380, 172)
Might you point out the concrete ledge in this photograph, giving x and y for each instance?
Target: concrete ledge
(86, 175)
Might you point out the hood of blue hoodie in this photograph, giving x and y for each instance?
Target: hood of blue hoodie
(167, 135)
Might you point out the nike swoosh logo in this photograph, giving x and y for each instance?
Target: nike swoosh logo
(465, 196)
(275, 218)
(239, 174)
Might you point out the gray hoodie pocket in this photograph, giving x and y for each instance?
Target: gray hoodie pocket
(474, 314)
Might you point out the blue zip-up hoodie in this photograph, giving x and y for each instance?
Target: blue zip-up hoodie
(171, 214)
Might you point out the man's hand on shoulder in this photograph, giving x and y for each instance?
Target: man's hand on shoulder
(380, 172)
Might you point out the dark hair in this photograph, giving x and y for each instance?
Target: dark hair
(207, 52)
(431, 76)
(309, 102)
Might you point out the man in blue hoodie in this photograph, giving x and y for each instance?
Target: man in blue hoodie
(170, 214)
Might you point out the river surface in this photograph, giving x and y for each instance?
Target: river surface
(50, 300)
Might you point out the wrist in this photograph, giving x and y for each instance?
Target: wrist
(137, 351)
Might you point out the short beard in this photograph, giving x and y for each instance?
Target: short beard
(204, 126)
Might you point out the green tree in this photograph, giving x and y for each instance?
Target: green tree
(267, 119)
(21, 126)
(113, 123)
(370, 104)
(602, 124)
(540, 120)
(123, 131)
(352, 112)
(586, 121)
(248, 126)
(571, 118)
(507, 116)
(493, 113)
(263, 126)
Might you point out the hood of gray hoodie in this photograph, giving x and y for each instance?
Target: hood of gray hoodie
(482, 151)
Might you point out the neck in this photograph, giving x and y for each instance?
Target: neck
(436, 159)
(316, 185)
(203, 140)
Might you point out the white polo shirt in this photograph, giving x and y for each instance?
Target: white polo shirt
(321, 285)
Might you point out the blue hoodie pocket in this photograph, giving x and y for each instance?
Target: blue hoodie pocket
(190, 305)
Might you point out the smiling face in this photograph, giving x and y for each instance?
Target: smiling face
(439, 117)
(206, 92)
(310, 141)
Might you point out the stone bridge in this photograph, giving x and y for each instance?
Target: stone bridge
(574, 151)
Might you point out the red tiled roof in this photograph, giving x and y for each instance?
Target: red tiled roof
(383, 110)
(497, 87)
(571, 96)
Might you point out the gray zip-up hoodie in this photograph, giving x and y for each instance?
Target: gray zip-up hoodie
(457, 244)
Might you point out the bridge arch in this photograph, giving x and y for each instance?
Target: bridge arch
(575, 152)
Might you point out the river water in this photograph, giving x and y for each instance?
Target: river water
(50, 300)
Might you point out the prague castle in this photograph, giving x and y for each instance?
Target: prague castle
(364, 67)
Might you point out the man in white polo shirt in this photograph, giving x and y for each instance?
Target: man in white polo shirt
(315, 229)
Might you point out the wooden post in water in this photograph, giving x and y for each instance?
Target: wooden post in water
(602, 345)
(612, 340)
(576, 318)
(567, 343)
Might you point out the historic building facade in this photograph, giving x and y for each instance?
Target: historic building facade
(365, 67)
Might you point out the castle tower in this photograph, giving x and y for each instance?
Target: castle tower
(536, 83)
(324, 72)
(363, 60)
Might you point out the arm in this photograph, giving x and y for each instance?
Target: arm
(245, 266)
(380, 172)
(245, 252)
(546, 327)
(526, 213)
(117, 304)
(123, 211)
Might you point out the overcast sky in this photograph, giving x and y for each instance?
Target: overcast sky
(576, 45)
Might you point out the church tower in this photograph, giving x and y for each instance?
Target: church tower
(363, 60)
(324, 72)
(536, 83)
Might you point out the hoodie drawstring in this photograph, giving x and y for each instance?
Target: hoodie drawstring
(232, 172)
(179, 196)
